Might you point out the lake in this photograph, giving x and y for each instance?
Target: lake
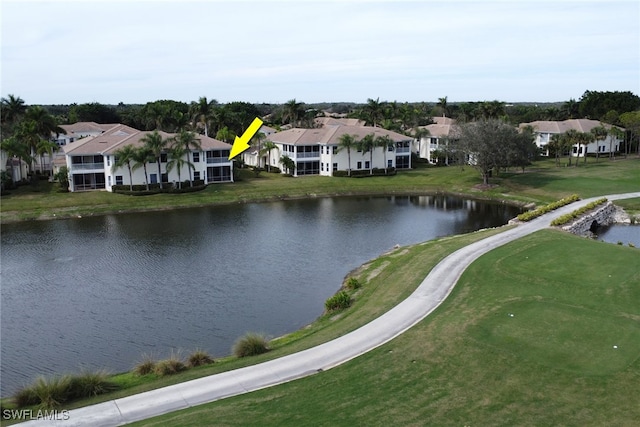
(99, 292)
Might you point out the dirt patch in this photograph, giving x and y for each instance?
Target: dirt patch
(377, 271)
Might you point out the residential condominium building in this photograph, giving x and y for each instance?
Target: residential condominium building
(434, 145)
(91, 160)
(317, 151)
(545, 129)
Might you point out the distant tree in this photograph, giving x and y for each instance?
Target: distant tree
(156, 145)
(615, 133)
(291, 112)
(594, 105)
(93, 112)
(631, 121)
(373, 112)
(125, 156)
(12, 108)
(256, 141)
(178, 158)
(14, 147)
(571, 109)
(62, 176)
(556, 146)
(46, 146)
(226, 135)
(347, 142)
(442, 103)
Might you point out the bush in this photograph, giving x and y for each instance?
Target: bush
(169, 366)
(339, 301)
(52, 392)
(352, 283)
(147, 366)
(563, 219)
(89, 384)
(199, 358)
(251, 344)
(26, 396)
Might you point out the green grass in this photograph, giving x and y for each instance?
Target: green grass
(542, 183)
(471, 363)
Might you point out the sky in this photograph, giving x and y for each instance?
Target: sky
(55, 52)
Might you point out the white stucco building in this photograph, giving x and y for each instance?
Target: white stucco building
(439, 133)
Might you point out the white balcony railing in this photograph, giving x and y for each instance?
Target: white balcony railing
(217, 160)
(87, 166)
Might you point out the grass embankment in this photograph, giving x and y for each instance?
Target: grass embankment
(542, 183)
(508, 347)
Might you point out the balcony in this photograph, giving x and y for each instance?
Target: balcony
(312, 154)
(217, 160)
(87, 166)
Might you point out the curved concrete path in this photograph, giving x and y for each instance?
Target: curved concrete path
(426, 298)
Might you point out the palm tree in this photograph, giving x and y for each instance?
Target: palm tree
(125, 156)
(156, 145)
(268, 146)
(178, 157)
(386, 143)
(570, 138)
(557, 145)
(347, 142)
(46, 146)
(190, 142)
(12, 108)
(291, 111)
(442, 103)
(615, 133)
(288, 164)
(226, 135)
(46, 124)
(203, 111)
(367, 145)
(373, 111)
(599, 133)
(586, 138)
(142, 156)
(16, 148)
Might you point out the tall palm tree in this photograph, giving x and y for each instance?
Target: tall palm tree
(190, 142)
(12, 109)
(125, 156)
(367, 145)
(46, 124)
(16, 148)
(599, 133)
(557, 145)
(267, 148)
(442, 103)
(291, 111)
(373, 111)
(570, 138)
(288, 164)
(226, 135)
(385, 142)
(142, 156)
(178, 157)
(347, 142)
(586, 139)
(156, 145)
(203, 111)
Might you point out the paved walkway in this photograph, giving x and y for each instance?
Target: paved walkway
(426, 298)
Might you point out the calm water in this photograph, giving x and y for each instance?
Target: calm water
(621, 233)
(100, 292)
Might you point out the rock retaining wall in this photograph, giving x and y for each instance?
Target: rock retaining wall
(588, 223)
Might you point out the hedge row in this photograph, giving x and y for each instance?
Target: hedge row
(141, 190)
(563, 219)
(361, 173)
(529, 215)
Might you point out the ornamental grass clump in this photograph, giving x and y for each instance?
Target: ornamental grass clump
(352, 283)
(146, 366)
(89, 384)
(529, 215)
(199, 358)
(52, 392)
(169, 366)
(251, 344)
(339, 301)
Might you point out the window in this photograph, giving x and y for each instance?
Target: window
(163, 157)
(335, 166)
(109, 180)
(165, 177)
(389, 163)
(196, 176)
(359, 165)
(335, 150)
(153, 178)
(118, 179)
(109, 163)
(366, 164)
(196, 157)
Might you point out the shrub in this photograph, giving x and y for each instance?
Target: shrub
(89, 384)
(52, 392)
(352, 283)
(169, 366)
(199, 358)
(339, 301)
(251, 344)
(563, 219)
(26, 396)
(529, 215)
(146, 366)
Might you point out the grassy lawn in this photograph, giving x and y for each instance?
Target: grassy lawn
(508, 347)
(541, 183)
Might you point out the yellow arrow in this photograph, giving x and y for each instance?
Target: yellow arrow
(241, 144)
